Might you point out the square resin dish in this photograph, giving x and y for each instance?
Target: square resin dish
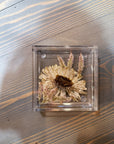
(65, 78)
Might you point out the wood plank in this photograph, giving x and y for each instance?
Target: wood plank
(45, 20)
(68, 34)
(82, 35)
(67, 127)
(4, 4)
(19, 88)
(26, 81)
(53, 22)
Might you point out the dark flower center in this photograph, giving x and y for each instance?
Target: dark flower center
(63, 81)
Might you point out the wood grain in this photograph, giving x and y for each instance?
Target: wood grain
(54, 22)
(5, 4)
(32, 23)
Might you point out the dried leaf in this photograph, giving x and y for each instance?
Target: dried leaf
(61, 61)
(70, 61)
(81, 63)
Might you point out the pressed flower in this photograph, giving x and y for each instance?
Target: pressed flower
(61, 83)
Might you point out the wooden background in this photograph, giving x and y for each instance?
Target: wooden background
(75, 22)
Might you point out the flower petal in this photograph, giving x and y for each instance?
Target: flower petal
(70, 61)
(61, 61)
(81, 63)
(75, 96)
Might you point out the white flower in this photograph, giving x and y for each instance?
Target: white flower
(61, 83)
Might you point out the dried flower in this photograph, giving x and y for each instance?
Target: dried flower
(61, 83)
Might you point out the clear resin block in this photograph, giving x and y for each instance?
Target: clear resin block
(65, 78)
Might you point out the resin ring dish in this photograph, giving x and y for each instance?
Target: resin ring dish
(65, 78)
